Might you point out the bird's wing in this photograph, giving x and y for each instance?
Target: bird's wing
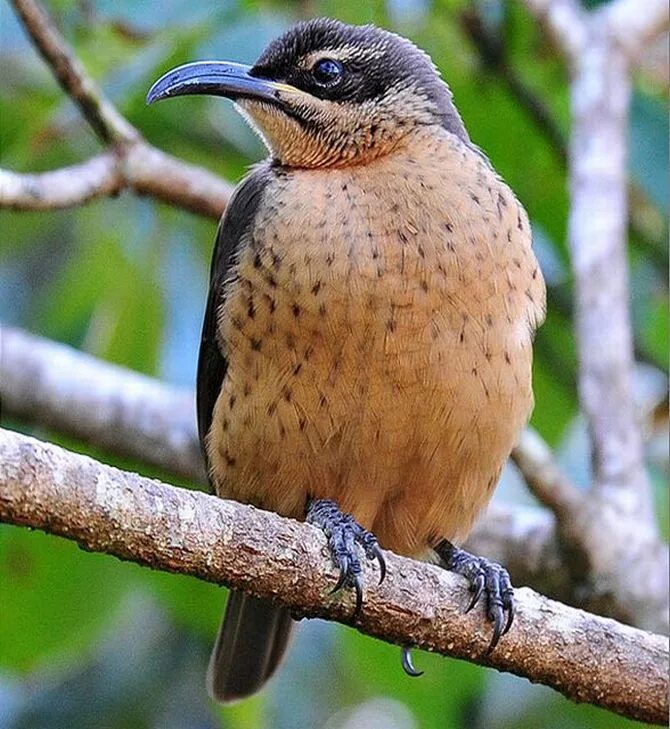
(232, 235)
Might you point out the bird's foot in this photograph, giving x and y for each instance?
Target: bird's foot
(344, 533)
(486, 579)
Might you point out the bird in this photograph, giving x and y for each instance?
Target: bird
(366, 351)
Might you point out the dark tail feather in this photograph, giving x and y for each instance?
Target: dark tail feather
(250, 645)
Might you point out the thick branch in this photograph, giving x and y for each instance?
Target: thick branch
(586, 657)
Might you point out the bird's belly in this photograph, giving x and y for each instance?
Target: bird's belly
(400, 412)
(380, 357)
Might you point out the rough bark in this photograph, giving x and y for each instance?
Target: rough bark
(585, 657)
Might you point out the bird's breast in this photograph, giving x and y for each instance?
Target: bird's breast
(372, 312)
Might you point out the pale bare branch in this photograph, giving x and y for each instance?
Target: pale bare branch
(585, 657)
(634, 24)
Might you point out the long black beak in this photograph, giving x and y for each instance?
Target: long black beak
(216, 78)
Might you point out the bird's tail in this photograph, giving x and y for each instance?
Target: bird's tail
(251, 642)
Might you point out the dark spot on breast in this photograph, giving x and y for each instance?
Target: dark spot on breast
(323, 401)
(474, 197)
(489, 320)
(251, 309)
(230, 461)
(316, 288)
(519, 221)
(421, 252)
(488, 355)
(296, 310)
(271, 408)
(256, 344)
(231, 401)
(308, 353)
(246, 390)
(302, 423)
(395, 207)
(225, 424)
(449, 226)
(282, 431)
(516, 262)
(461, 337)
(509, 236)
(271, 280)
(375, 254)
(330, 258)
(390, 325)
(424, 286)
(292, 269)
(507, 357)
(297, 368)
(450, 246)
(402, 237)
(474, 371)
(257, 260)
(529, 295)
(344, 188)
(535, 273)
(286, 392)
(276, 260)
(322, 310)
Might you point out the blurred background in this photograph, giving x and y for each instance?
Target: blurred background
(88, 641)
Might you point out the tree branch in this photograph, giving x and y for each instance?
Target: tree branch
(620, 500)
(583, 656)
(633, 24)
(100, 113)
(129, 163)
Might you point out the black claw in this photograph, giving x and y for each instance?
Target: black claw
(487, 580)
(378, 555)
(344, 533)
(407, 662)
(477, 588)
(358, 587)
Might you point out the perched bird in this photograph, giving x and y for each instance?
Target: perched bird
(366, 350)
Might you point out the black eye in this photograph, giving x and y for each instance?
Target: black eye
(327, 71)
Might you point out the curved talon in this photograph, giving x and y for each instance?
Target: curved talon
(407, 662)
(356, 580)
(509, 606)
(379, 556)
(477, 587)
(343, 565)
(496, 616)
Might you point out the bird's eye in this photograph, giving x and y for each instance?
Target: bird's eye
(327, 71)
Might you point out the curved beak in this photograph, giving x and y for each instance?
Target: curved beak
(216, 78)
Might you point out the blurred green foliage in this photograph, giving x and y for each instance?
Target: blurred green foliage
(125, 279)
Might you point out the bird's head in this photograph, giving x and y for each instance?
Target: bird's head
(327, 94)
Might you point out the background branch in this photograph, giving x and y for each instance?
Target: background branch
(620, 499)
(130, 162)
(585, 657)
